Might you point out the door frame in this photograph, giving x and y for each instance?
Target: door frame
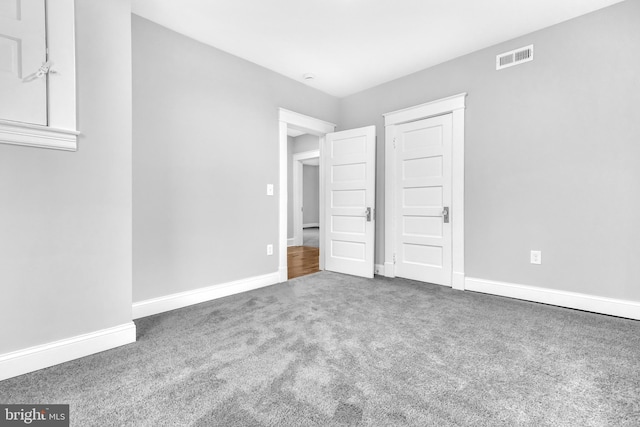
(298, 185)
(454, 105)
(290, 119)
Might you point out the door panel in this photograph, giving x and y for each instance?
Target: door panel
(349, 159)
(423, 165)
(22, 53)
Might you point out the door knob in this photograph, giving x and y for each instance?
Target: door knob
(445, 214)
(44, 69)
(368, 213)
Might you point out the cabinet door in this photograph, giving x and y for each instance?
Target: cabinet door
(23, 51)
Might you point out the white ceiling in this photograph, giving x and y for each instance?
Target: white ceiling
(352, 45)
(294, 132)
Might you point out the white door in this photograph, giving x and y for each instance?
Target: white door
(349, 162)
(423, 197)
(22, 53)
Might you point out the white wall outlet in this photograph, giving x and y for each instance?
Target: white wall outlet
(269, 189)
(536, 257)
(269, 249)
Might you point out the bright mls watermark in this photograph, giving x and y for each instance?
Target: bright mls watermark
(34, 415)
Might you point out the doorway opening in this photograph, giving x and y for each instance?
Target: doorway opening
(294, 125)
(303, 219)
(347, 195)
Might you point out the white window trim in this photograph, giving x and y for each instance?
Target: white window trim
(61, 132)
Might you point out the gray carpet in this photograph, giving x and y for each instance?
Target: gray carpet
(311, 237)
(328, 349)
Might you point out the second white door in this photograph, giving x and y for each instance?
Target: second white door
(349, 177)
(423, 198)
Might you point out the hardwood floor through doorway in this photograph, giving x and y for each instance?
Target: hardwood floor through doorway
(302, 260)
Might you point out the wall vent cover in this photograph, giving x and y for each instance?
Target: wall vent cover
(514, 57)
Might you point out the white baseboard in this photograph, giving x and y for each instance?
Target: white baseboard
(378, 269)
(311, 224)
(291, 241)
(43, 356)
(183, 299)
(596, 304)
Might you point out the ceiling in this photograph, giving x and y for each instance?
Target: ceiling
(294, 132)
(352, 45)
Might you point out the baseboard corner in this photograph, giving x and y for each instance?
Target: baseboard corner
(378, 269)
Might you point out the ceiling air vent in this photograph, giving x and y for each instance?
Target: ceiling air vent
(514, 57)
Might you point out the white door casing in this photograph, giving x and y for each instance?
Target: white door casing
(349, 192)
(312, 126)
(23, 51)
(453, 106)
(423, 193)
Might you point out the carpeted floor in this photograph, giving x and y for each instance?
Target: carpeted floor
(311, 237)
(329, 349)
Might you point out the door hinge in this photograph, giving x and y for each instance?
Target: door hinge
(394, 143)
(394, 258)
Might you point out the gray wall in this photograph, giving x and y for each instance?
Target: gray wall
(306, 142)
(206, 145)
(65, 250)
(551, 153)
(551, 164)
(311, 194)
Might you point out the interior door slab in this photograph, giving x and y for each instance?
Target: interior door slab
(349, 161)
(423, 197)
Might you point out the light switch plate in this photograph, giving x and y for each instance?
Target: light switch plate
(269, 189)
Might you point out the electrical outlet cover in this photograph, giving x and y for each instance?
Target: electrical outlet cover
(536, 257)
